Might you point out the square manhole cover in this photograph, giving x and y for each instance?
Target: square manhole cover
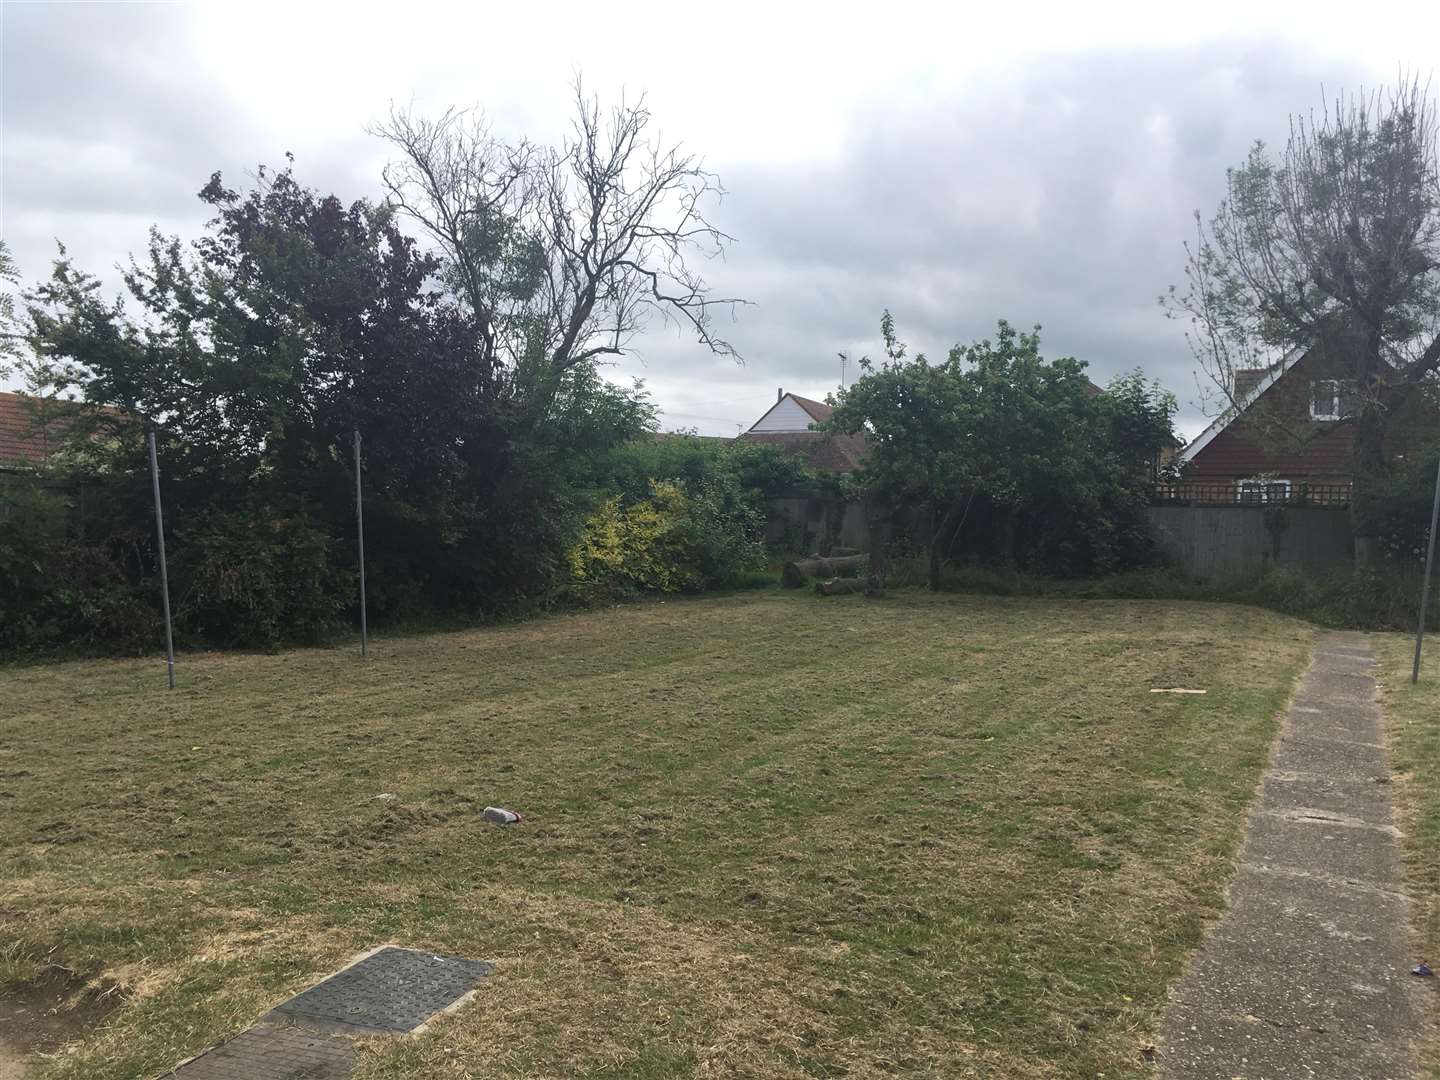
(391, 990)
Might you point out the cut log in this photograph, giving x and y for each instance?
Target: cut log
(836, 586)
(795, 574)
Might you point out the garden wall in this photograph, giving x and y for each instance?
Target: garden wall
(1213, 541)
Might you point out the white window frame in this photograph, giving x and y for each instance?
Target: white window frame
(1337, 399)
(1267, 491)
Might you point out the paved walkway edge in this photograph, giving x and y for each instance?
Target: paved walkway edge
(1307, 973)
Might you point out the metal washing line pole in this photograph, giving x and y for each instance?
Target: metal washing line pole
(360, 535)
(164, 572)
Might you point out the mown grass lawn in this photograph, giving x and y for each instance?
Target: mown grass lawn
(766, 836)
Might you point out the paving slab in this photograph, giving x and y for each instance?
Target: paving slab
(1339, 759)
(1362, 799)
(1348, 849)
(1307, 974)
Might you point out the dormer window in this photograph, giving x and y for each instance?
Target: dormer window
(1331, 399)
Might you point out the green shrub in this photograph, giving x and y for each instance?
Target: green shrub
(630, 468)
(673, 540)
(257, 578)
(58, 591)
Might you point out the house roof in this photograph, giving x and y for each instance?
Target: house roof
(1231, 414)
(21, 435)
(823, 451)
(817, 411)
(23, 438)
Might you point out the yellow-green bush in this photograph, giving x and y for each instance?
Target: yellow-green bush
(676, 539)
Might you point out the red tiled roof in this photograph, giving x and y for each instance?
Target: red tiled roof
(822, 451)
(24, 437)
(818, 410)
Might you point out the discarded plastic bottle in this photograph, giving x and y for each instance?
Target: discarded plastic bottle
(500, 816)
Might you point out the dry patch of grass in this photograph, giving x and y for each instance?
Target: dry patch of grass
(766, 836)
(1412, 713)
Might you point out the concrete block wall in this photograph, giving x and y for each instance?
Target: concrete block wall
(1215, 541)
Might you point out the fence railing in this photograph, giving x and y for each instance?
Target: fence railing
(1252, 493)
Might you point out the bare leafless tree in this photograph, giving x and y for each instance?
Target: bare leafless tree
(563, 253)
(1335, 246)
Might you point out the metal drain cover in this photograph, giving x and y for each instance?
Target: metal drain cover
(273, 1052)
(391, 990)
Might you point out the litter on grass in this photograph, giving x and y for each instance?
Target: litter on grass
(1174, 690)
(500, 816)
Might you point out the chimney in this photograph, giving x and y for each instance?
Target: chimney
(1245, 381)
(779, 395)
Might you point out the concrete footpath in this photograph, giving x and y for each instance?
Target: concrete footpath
(1307, 975)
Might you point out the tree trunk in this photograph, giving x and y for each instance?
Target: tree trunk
(1368, 465)
(878, 524)
(836, 586)
(1007, 532)
(935, 556)
(941, 531)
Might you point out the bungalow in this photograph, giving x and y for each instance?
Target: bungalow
(789, 424)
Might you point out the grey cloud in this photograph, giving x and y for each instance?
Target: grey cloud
(1060, 195)
(1058, 191)
(111, 124)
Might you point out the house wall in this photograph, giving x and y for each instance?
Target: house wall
(784, 415)
(1276, 437)
(1216, 541)
(1238, 455)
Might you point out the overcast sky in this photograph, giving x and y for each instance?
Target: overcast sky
(956, 168)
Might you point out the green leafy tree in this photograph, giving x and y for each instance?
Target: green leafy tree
(997, 424)
(1140, 414)
(55, 420)
(921, 421)
(12, 338)
(257, 350)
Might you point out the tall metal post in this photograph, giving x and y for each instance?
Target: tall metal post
(1425, 589)
(360, 532)
(164, 571)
